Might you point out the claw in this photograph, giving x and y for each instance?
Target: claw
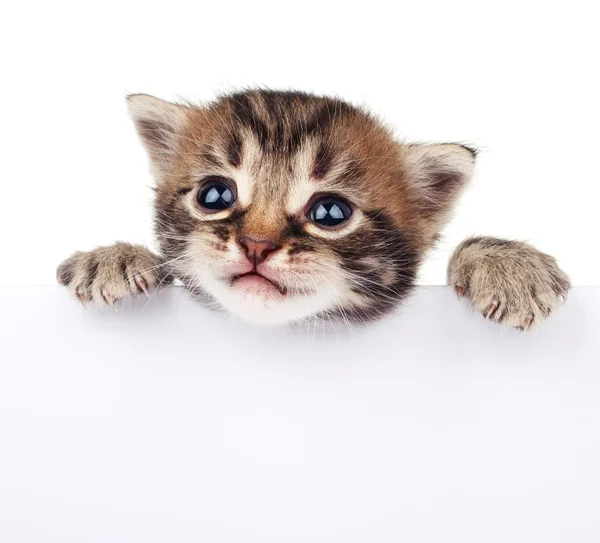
(81, 297)
(141, 283)
(109, 300)
(459, 291)
(490, 310)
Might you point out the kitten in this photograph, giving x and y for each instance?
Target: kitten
(278, 206)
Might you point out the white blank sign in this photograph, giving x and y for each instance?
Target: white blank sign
(166, 422)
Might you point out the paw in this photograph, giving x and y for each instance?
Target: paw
(109, 274)
(509, 282)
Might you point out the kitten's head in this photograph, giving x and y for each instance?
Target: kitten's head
(278, 206)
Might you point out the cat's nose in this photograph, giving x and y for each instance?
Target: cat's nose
(257, 251)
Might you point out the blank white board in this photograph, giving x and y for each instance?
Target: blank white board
(166, 422)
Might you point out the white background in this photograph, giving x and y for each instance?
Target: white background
(519, 80)
(168, 424)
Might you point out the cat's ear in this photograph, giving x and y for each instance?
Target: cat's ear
(160, 124)
(437, 174)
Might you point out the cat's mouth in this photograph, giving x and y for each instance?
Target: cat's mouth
(253, 282)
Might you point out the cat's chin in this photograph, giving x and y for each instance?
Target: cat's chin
(260, 301)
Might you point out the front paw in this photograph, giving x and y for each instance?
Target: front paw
(509, 282)
(108, 274)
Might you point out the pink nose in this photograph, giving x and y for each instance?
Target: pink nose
(257, 251)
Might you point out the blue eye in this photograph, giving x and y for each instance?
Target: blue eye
(216, 195)
(329, 212)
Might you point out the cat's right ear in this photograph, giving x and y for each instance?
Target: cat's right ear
(160, 125)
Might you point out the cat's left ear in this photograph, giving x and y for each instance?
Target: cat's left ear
(160, 124)
(437, 174)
